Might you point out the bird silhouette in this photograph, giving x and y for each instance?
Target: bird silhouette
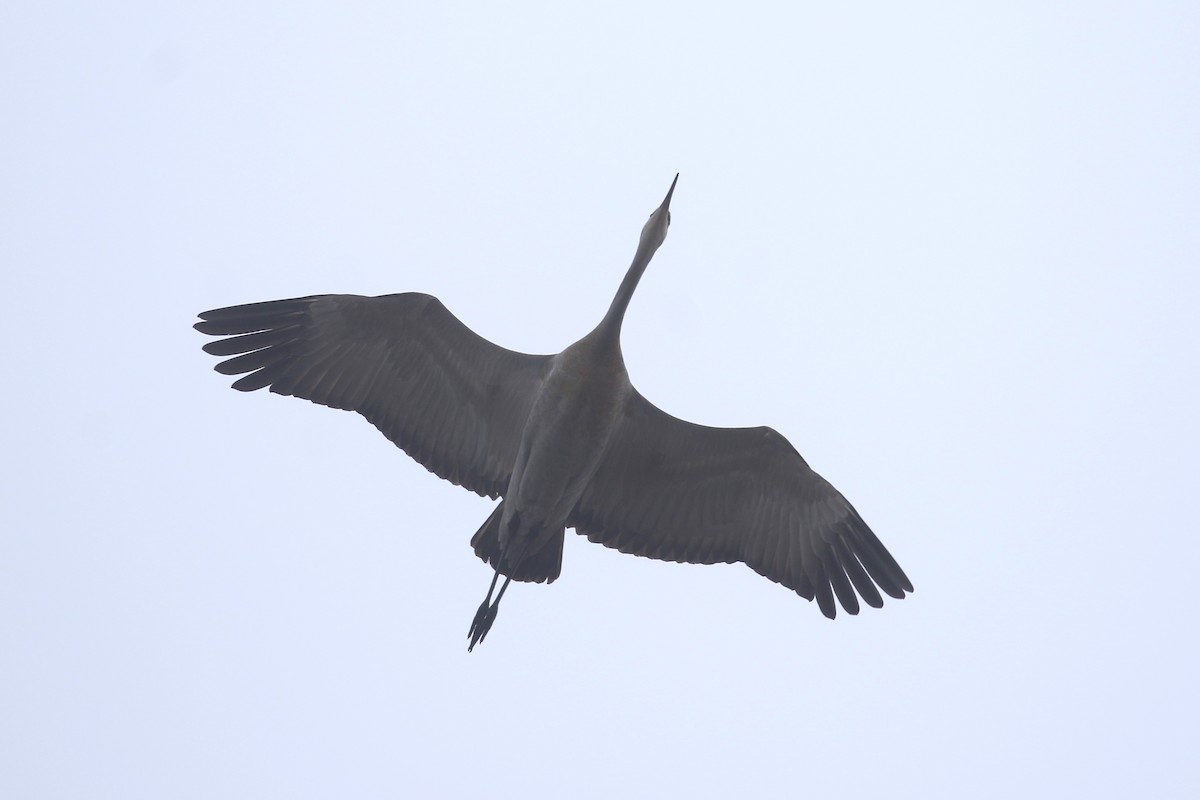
(565, 440)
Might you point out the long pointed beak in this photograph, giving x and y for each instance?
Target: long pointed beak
(667, 202)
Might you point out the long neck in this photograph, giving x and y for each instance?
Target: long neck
(616, 312)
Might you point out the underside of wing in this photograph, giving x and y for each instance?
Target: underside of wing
(451, 399)
(676, 491)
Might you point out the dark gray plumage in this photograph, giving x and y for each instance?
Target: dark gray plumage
(566, 441)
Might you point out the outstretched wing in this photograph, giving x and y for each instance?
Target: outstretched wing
(451, 399)
(677, 491)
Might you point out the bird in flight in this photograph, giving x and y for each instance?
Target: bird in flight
(565, 440)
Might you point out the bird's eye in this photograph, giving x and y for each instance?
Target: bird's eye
(668, 219)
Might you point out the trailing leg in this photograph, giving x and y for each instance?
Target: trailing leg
(486, 615)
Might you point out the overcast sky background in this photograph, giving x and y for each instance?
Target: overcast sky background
(949, 250)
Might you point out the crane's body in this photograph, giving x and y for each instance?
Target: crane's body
(569, 426)
(566, 440)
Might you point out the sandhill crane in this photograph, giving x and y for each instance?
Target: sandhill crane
(565, 440)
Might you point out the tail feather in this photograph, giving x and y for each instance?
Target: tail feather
(538, 566)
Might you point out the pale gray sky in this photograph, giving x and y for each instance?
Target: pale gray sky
(949, 250)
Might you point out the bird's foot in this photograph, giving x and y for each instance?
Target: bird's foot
(482, 623)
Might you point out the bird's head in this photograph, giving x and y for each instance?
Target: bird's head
(654, 233)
